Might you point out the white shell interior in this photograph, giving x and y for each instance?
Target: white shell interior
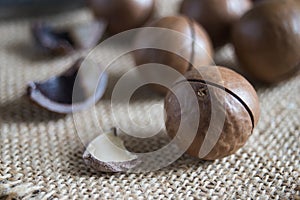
(109, 148)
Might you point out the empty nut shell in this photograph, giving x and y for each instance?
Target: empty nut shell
(63, 41)
(216, 16)
(71, 91)
(232, 96)
(267, 40)
(107, 153)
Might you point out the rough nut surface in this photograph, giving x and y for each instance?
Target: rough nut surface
(240, 114)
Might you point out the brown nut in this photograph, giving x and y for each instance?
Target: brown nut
(233, 97)
(122, 15)
(196, 46)
(267, 40)
(216, 16)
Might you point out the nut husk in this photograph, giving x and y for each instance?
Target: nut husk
(122, 15)
(232, 95)
(267, 40)
(216, 16)
(196, 46)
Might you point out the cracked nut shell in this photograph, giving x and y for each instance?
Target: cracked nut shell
(267, 40)
(196, 46)
(232, 96)
(122, 15)
(216, 16)
(62, 41)
(70, 91)
(107, 153)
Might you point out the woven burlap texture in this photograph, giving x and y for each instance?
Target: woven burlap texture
(41, 153)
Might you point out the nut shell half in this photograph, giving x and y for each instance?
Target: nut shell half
(71, 91)
(62, 41)
(107, 153)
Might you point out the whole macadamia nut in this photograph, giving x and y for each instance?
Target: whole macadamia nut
(219, 92)
(192, 49)
(216, 16)
(267, 40)
(122, 15)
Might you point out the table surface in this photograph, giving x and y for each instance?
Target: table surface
(41, 154)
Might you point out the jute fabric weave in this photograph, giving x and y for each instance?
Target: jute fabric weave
(41, 153)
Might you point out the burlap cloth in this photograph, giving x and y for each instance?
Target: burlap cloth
(41, 154)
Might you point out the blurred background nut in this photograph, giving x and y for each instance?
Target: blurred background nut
(65, 40)
(193, 44)
(122, 15)
(216, 16)
(267, 40)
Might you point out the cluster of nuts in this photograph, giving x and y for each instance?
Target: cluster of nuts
(265, 35)
(266, 39)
